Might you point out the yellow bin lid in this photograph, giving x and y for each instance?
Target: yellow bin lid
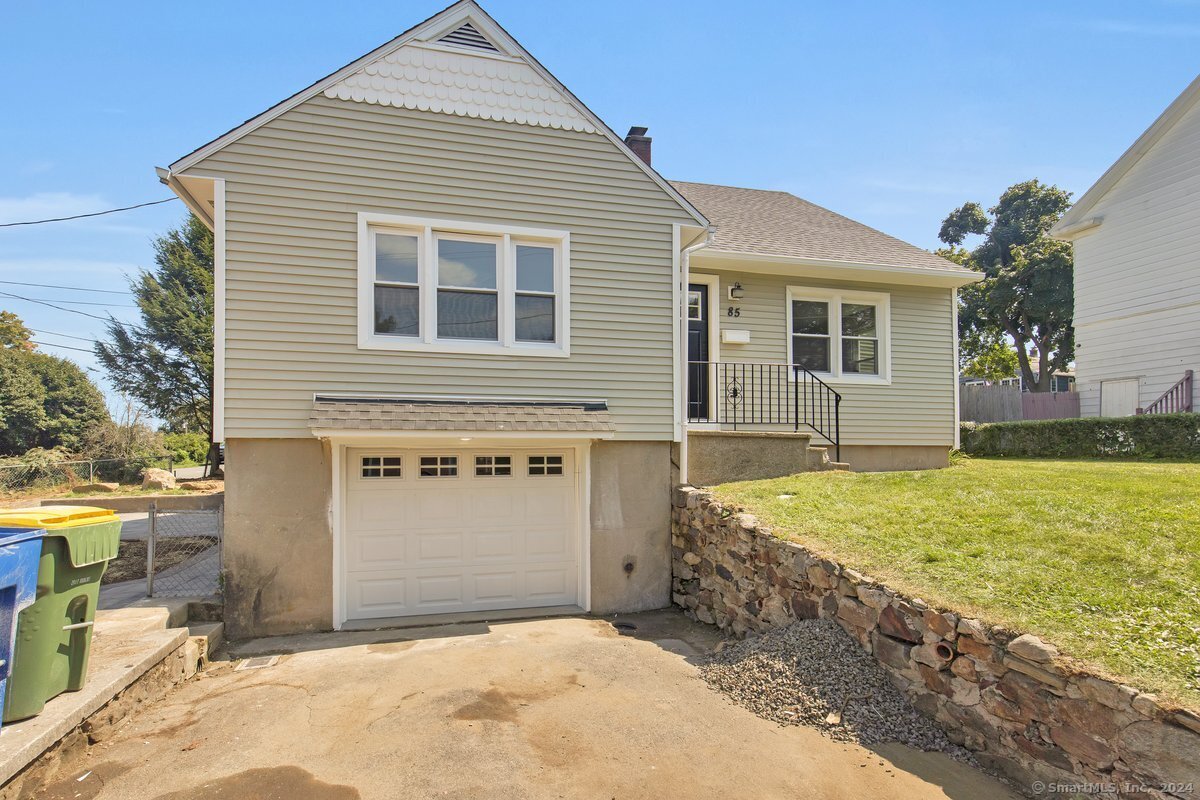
(56, 517)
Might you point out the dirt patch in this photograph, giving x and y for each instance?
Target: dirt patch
(394, 646)
(268, 783)
(501, 705)
(130, 563)
(85, 784)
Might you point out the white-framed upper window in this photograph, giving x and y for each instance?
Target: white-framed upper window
(456, 287)
(843, 335)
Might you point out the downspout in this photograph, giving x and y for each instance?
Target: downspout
(685, 277)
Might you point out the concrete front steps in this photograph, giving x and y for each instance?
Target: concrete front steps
(716, 457)
(138, 655)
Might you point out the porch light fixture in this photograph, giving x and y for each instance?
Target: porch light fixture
(736, 292)
(464, 438)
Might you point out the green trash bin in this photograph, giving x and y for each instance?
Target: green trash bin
(54, 634)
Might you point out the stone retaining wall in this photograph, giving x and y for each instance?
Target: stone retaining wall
(1027, 712)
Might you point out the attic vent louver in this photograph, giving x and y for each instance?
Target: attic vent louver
(467, 36)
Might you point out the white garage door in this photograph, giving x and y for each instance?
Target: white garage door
(436, 531)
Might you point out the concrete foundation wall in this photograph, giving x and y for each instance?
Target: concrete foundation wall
(631, 526)
(889, 458)
(279, 543)
(278, 550)
(716, 457)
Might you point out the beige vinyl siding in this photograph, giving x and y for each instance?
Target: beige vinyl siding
(1137, 276)
(917, 408)
(294, 188)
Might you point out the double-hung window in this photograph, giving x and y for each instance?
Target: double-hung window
(839, 334)
(446, 286)
(468, 303)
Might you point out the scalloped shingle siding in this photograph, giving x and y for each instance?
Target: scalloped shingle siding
(463, 84)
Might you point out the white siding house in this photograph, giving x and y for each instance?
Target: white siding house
(1136, 235)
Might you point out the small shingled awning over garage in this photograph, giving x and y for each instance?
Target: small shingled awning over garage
(331, 413)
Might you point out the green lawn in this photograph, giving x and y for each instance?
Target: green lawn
(1102, 558)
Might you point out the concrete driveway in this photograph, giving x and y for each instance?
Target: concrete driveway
(548, 708)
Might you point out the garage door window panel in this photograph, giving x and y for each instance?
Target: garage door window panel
(382, 467)
(545, 465)
(438, 467)
(493, 466)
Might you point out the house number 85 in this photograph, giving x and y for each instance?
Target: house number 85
(733, 311)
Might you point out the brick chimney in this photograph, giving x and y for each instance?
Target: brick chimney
(639, 143)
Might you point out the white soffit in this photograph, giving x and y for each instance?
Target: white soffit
(467, 84)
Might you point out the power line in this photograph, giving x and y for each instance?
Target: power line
(65, 335)
(81, 303)
(73, 311)
(63, 346)
(81, 216)
(72, 288)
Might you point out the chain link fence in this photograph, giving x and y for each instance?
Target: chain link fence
(53, 474)
(183, 553)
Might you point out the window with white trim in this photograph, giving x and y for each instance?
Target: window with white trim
(382, 466)
(839, 334)
(466, 288)
(542, 466)
(493, 466)
(438, 467)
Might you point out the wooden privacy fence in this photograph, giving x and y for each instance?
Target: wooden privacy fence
(1009, 404)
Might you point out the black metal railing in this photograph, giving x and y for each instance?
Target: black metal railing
(742, 394)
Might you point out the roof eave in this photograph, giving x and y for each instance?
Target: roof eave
(1150, 137)
(867, 271)
(1072, 231)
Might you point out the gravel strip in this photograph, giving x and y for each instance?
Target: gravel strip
(800, 674)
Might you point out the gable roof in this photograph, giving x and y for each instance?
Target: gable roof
(1074, 218)
(767, 223)
(449, 21)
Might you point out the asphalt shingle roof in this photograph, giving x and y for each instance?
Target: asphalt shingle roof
(337, 413)
(780, 224)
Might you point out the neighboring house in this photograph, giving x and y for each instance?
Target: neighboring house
(1136, 235)
(454, 312)
(1059, 381)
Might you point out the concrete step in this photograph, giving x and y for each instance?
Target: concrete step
(208, 636)
(840, 465)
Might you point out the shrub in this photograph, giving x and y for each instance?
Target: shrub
(1147, 436)
(186, 449)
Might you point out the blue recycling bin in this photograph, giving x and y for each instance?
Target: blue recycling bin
(20, 553)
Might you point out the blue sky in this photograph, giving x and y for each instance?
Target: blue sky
(891, 113)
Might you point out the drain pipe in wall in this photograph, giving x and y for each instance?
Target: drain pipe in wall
(685, 270)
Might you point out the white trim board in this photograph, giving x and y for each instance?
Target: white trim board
(446, 20)
(218, 399)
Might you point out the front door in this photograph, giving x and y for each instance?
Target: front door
(697, 352)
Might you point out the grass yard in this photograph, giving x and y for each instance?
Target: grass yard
(1100, 557)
